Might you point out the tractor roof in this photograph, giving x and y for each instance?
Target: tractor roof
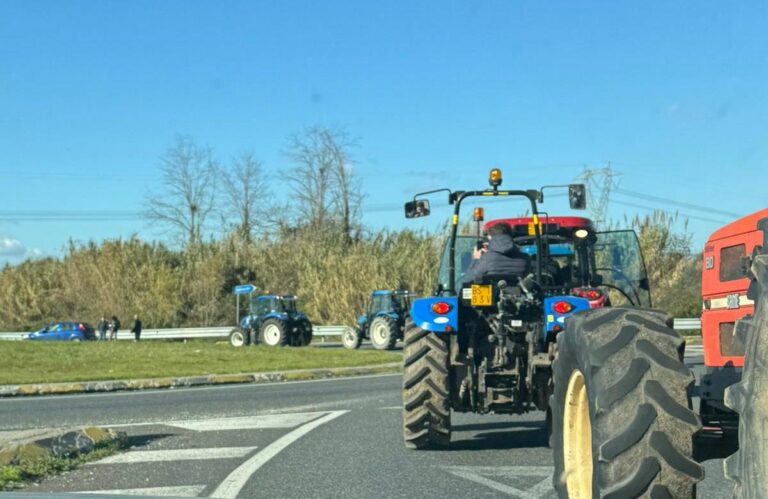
(269, 297)
(740, 226)
(563, 222)
(385, 292)
(560, 226)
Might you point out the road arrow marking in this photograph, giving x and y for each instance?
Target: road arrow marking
(232, 485)
(480, 474)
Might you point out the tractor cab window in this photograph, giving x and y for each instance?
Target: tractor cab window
(401, 302)
(730, 263)
(464, 247)
(618, 261)
(561, 265)
(260, 307)
(288, 305)
(381, 303)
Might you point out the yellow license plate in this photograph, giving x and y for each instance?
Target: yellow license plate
(482, 295)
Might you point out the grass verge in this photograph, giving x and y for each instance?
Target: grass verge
(30, 470)
(28, 362)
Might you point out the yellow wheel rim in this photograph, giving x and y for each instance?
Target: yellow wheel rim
(577, 439)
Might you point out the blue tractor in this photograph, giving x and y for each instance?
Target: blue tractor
(383, 321)
(273, 320)
(571, 334)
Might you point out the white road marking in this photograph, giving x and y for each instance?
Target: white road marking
(234, 483)
(155, 456)
(182, 491)
(248, 422)
(480, 474)
(255, 422)
(392, 408)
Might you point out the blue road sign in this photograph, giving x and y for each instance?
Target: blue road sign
(245, 289)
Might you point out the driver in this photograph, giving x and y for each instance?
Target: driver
(503, 256)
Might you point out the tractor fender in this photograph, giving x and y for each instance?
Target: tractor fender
(423, 316)
(362, 320)
(552, 318)
(391, 315)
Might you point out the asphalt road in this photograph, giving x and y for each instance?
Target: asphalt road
(335, 438)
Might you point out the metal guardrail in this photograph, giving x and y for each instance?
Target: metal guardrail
(192, 332)
(688, 324)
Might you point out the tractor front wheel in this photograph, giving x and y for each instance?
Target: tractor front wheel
(351, 338)
(426, 390)
(239, 338)
(621, 416)
(383, 332)
(273, 332)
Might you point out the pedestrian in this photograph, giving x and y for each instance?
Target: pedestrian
(114, 327)
(102, 328)
(136, 329)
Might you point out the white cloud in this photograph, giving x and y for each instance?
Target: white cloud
(13, 251)
(11, 248)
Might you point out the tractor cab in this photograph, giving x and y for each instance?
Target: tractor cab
(389, 302)
(285, 305)
(575, 259)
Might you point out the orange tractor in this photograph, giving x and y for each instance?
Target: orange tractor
(724, 286)
(734, 324)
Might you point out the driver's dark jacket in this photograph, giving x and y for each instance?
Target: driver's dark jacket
(502, 258)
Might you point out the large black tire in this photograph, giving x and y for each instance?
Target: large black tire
(622, 422)
(274, 332)
(426, 390)
(748, 467)
(239, 338)
(351, 338)
(383, 332)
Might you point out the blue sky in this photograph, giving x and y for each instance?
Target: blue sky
(92, 93)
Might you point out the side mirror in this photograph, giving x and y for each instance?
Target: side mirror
(416, 209)
(577, 196)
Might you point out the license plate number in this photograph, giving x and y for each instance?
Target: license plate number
(482, 295)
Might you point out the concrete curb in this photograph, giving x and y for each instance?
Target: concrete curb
(187, 381)
(53, 443)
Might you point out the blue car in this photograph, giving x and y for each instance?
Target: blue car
(64, 331)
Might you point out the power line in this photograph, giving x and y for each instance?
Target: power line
(692, 217)
(659, 199)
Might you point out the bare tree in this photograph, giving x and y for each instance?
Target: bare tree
(189, 184)
(323, 181)
(245, 188)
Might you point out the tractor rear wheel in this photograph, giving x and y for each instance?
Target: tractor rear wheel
(273, 332)
(351, 338)
(239, 338)
(622, 422)
(383, 332)
(426, 390)
(747, 467)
